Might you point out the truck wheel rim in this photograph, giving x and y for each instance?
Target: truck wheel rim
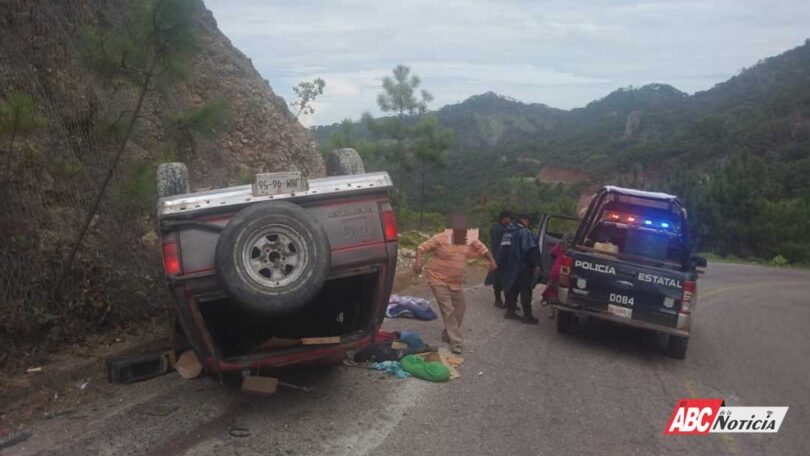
(274, 256)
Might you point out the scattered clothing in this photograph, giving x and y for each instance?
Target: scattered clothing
(380, 351)
(432, 371)
(414, 341)
(391, 368)
(410, 307)
(384, 348)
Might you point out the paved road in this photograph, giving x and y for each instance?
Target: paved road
(524, 390)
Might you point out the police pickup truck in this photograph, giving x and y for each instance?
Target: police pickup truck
(631, 263)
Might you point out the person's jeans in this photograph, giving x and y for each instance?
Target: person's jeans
(452, 306)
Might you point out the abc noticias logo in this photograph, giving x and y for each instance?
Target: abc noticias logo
(704, 416)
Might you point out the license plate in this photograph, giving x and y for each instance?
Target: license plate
(620, 311)
(279, 183)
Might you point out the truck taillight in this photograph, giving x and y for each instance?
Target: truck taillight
(171, 260)
(687, 300)
(565, 271)
(389, 226)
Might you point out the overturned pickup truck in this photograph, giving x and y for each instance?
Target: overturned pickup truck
(283, 271)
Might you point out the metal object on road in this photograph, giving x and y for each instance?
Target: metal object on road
(129, 368)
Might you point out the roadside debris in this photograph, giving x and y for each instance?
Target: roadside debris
(188, 365)
(239, 432)
(81, 386)
(409, 307)
(295, 387)
(13, 439)
(320, 340)
(259, 386)
(33, 370)
(134, 368)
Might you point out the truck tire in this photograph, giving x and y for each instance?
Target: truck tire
(345, 161)
(273, 258)
(677, 347)
(172, 179)
(565, 321)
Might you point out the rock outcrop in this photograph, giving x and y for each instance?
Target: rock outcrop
(51, 175)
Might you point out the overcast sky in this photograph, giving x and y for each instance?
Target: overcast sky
(562, 53)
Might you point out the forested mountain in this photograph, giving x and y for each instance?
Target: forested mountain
(738, 153)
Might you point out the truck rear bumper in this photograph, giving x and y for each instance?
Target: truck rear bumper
(320, 355)
(581, 312)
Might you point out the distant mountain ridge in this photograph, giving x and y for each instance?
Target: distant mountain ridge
(646, 131)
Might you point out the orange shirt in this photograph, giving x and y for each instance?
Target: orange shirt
(448, 261)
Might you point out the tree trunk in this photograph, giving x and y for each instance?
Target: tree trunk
(104, 184)
(422, 199)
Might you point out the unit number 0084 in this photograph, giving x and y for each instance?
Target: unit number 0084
(621, 299)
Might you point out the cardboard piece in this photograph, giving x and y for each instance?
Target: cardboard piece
(397, 345)
(259, 386)
(320, 340)
(188, 365)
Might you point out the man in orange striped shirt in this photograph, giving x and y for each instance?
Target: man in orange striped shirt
(451, 249)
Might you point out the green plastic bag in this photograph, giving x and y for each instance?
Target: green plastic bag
(432, 371)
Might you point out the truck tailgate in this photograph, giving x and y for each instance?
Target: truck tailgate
(606, 284)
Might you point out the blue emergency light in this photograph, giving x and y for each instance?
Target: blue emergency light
(633, 219)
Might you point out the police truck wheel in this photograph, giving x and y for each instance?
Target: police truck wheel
(677, 347)
(273, 258)
(565, 321)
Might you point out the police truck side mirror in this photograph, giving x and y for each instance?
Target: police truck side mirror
(698, 261)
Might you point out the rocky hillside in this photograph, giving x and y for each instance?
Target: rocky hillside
(51, 170)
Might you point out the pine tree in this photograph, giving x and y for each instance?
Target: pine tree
(152, 53)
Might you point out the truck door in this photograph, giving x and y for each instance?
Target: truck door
(550, 233)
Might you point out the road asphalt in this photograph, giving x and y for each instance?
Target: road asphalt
(524, 390)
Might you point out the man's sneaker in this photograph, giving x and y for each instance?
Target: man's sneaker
(456, 349)
(530, 320)
(499, 303)
(511, 315)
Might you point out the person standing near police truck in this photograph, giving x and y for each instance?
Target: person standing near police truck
(519, 266)
(496, 233)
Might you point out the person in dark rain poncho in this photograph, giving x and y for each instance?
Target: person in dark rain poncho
(496, 233)
(519, 264)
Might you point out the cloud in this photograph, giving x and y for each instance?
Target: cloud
(563, 54)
